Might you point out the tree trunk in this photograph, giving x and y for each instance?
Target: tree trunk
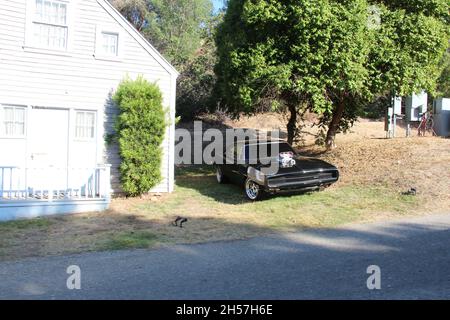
(292, 124)
(334, 124)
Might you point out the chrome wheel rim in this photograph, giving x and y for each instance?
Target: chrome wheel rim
(252, 189)
(218, 175)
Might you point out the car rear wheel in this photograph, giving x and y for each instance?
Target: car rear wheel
(219, 176)
(253, 191)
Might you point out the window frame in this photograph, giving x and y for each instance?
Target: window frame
(76, 126)
(99, 53)
(23, 135)
(30, 43)
(116, 49)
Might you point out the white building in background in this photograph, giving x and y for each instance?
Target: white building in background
(60, 62)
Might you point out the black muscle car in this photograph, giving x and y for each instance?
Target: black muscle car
(243, 164)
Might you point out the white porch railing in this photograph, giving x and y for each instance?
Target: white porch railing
(49, 184)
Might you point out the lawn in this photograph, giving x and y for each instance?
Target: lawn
(214, 212)
(374, 173)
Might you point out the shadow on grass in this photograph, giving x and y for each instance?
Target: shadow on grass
(317, 264)
(202, 179)
(226, 215)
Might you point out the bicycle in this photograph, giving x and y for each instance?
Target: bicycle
(426, 124)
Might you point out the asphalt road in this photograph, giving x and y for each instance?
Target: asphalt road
(413, 256)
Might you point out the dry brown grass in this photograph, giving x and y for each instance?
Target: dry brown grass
(374, 172)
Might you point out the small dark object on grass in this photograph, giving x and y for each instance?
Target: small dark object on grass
(175, 222)
(181, 219)
(410, 192)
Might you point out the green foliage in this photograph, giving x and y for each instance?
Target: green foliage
(182, 30)
(197, 81)
(135, 11)
(176, 27)
(444, 79)
(140, 129)
(376, 109)
(328, 55)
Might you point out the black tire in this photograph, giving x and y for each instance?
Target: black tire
(253, 191)
(220, 177)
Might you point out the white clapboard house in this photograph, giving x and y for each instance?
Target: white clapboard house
(60, 62)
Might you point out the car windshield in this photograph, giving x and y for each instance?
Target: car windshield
(266, 150)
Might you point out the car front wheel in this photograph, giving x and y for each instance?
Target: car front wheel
(219, 176)
(253, 191)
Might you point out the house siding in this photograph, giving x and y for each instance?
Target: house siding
(77, 79)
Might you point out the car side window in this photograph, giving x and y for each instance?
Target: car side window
(231, 153)
(240, 153)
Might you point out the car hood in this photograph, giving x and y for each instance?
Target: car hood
(304, 164)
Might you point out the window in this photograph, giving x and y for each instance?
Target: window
(12, 121)
(85, 125)
(110, 42)
(50, 26)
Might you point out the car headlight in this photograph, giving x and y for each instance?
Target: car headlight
(260, 175)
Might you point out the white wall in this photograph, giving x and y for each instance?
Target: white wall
(76, 79)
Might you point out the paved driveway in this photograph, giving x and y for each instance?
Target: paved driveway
(413, 256)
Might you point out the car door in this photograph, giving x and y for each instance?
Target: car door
(231, 167)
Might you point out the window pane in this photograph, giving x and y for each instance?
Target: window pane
(85, 124)
(19, 115)
(8, 114)
(89, 119)
(39, 10)
(109, 43)
(8, 121)
(20, 129)
(13, 121)
(50, 30)
(62, 13)
(9, 126)
(47, 9)
(50, 36)
(80, 118)
(51, 12)
(54, 13)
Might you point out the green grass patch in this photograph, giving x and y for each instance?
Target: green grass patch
(199, 193)
(23, 224)
(130, 239)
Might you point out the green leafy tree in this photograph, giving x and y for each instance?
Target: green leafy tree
(135, 11)
(140, 129)
(182, 31)
(444, 79)
(195, 88)
(327, 56)
(175, 27)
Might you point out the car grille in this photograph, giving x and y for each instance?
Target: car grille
(301, 178)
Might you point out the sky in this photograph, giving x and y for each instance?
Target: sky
(218, 4)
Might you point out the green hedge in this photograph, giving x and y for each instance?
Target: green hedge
(140, 129)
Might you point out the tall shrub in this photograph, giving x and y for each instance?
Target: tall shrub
(140, 129)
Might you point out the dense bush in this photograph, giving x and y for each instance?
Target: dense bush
(140, 129)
